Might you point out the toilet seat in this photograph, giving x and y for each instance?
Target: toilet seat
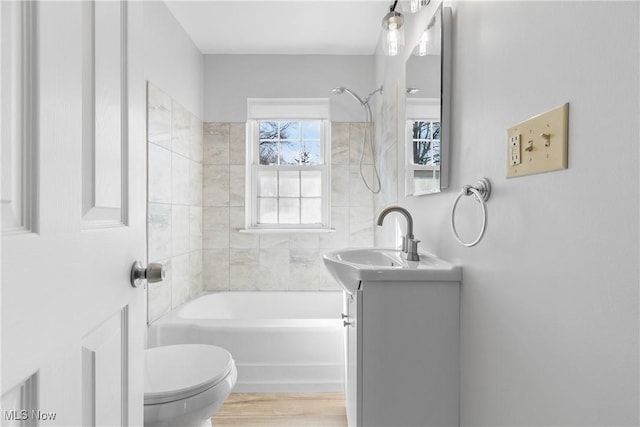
(178, 372)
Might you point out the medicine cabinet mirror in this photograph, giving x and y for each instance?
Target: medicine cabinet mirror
(427, 109)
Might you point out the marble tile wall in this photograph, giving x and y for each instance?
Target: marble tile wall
(174, 223)
(387, 155)
(288, 261)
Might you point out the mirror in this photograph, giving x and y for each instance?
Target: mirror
(427, 109)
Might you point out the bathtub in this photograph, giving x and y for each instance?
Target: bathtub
(282, 342)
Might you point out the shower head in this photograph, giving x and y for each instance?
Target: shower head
(341, 89)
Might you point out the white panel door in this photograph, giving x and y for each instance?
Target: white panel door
(73, 212)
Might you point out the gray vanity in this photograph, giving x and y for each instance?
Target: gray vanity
(402, 337)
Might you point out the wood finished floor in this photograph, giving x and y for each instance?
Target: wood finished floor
(282, 410)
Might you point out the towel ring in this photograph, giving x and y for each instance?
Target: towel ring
(482, 192)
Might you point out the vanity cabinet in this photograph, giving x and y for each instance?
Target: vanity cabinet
(402, 354)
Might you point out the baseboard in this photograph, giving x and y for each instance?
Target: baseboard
(289, 378)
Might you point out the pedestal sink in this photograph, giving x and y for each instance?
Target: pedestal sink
(351, 266)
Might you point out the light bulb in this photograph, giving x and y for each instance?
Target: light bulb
(392, 49)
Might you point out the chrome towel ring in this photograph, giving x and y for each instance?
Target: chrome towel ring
(482, 191)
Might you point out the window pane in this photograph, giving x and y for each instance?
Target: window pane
(268, 153)
(289, 153)
(289, 211)
(436, 130)
(267, 183)
(422, 154)
(311, 183)
(421, 130)
(268, 130)
(435, 149)
(311, 130)
(289, 184)
(311, 153)
(426, 181)
(311, 211)
(267, 210)
(290, 130)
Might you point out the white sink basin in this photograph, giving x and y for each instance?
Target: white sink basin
(351, 266)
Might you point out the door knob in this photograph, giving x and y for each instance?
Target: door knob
(155, 272)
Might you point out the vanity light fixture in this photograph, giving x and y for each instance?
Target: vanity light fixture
(392, 31)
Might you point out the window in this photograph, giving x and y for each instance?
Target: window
(423, 148)
(288, 168)
(425, 136)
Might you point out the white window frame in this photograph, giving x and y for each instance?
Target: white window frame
(419, 109)
(286, 109)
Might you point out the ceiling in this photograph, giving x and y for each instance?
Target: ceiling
(292, 27)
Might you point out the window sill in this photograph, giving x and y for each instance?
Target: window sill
(285, 230)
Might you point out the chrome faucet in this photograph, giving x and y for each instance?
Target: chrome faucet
(409, 244)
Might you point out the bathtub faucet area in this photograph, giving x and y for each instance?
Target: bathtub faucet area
(409, 244)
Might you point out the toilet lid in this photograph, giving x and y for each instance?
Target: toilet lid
(177, 372)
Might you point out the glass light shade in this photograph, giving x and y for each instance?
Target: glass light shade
(393, 33)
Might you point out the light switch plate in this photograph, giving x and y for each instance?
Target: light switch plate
(541, 143)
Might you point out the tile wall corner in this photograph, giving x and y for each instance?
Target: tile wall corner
(175, 201)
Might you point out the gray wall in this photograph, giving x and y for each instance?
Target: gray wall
(550, 296)
(424, 72)
(230, 79)
(172, 61)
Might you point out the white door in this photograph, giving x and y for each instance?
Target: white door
(73, 213)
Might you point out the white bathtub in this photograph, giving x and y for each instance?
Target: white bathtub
(280, 341)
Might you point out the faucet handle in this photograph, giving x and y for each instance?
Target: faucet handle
(405, 242)
(412, 250)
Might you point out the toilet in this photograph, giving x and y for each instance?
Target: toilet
(185, 384)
